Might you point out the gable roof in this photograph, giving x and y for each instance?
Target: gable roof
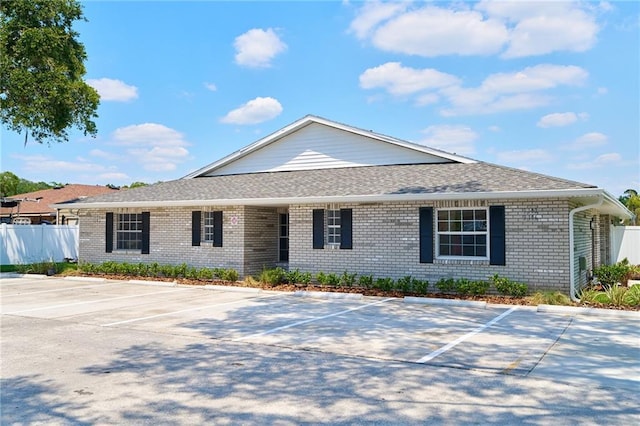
(317, 143)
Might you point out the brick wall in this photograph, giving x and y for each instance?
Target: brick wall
(386, 244)
(385, 241)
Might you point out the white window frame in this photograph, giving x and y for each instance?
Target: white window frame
(120, 233)
(334, 230)
(208, 228)
(462, 232)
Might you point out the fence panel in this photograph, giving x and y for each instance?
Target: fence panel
(21, 244)
(625, 242)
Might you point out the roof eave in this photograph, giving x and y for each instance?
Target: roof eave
(614, 206)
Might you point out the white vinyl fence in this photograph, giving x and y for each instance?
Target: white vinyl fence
(22, 244)
(625, 242)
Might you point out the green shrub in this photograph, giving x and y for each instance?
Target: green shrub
(632, 298)
(229, 274)
(421, 286)
(385, 284)
(466, 287)
(333, 279)
(507, 287)
(446, 285)
(365, 281)
(405, 284)
(609, 275)
(321, 277)
(273, 276)
(347, 280)
(205, 274)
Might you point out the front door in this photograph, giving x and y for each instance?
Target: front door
(283, 237)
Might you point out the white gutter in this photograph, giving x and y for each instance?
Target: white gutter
(377, 198)
(572, 278)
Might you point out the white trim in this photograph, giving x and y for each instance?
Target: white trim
(461, 233)
(284, 201)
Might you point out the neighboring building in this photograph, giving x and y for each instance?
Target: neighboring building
(36, 207)
(322, 196)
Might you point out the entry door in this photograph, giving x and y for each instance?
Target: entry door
(283, 239)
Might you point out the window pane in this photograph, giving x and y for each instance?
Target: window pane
(481, 215)
(467, 214)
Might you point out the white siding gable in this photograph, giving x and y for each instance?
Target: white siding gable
(317, 146)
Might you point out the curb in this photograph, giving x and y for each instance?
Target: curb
(155, 283)
(328, 295)
(91, 279)
(447, 302)
(16, 275)
(233, 288)
(576, 310)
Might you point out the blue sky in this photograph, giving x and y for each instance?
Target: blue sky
(550, 87)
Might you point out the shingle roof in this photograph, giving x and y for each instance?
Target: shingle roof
(47, 197)
(418, 179)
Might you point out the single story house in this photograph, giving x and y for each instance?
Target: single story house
(318, 195)
(35, 207)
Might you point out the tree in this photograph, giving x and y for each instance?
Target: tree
(8, 184)
(42, 90)
(631, 201)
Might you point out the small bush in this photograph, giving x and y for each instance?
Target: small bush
(466, 287)
(421, 286)
(610, 275)
(321, 277)
(365, 281)
(297, 277)
(347, 280)
(273, 276)
(632, 298)
(446, 285)
(507, 287)
(333, 279)
(405, 284)
(229, 274)
(385, 284)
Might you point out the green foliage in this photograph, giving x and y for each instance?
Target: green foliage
(273, 276)
(446, 285)
(631, 201)
(466, 287)
(41, 82)
(347, 280)
(550, 298)
(297, 277)
(609, 275)
(43, 268)
(10, 184)
(507, 287)
(333, 279)
(421, 286)
(385, 284)
(632, 298)
(365, 281)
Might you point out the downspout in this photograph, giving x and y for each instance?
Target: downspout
(572, 279)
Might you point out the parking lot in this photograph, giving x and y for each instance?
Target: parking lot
(81, 351)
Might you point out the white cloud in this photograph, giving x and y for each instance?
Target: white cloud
(495, 128)
(211, 86)
(525, 156)
(512, 91)
(113, 90)
(498, 92)
(558, 119)
(451, 138)
(155, 146)
(371, 14)
(604, 160)
(42, 164)
(512, 29)
(257, 47)
(434, 31)
(255, 111)
(590, 140)
(399, 80)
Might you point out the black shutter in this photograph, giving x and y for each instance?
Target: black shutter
(426, 234)
(318, 228)
(346, 229)
(196, 227)
(217, 229)
(108, 233)
(146, 222)
(497, 235)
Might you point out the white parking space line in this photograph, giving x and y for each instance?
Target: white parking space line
(185, 310)
(55, 289)
(44, 308)
(459, 340)
(284, 327)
